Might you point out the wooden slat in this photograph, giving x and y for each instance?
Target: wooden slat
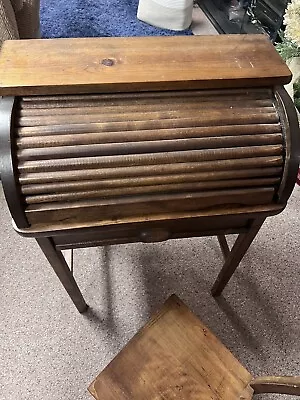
(148, 189)
(67, 164)
(154, 146)
(207, 120)
(146, 170)
(198, 62)
(128, 136)
(131, 200)
(77, 109)
(174, 98)
(142, 115)
(92, 210)
(252, 93)
(208, 179)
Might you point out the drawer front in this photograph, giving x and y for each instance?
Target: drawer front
(150, 232)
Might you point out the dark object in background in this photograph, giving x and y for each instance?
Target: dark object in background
(244, 16)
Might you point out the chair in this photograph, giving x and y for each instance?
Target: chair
(19, 19)
(176, 357)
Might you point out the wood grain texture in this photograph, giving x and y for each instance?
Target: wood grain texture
(126, 159)
(224, 169)
(173, 357)
(138, 205)
(148, 189)
(73, 66)
(219, 220)
(207, 180)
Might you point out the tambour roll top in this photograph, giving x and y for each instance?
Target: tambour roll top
(104, 156)
(89, 156)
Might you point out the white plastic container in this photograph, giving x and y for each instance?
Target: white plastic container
(167, 14)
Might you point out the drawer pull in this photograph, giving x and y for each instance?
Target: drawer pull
(155, 235)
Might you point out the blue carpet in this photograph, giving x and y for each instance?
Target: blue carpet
(95, 18)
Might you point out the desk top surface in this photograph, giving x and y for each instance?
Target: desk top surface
(91, 65)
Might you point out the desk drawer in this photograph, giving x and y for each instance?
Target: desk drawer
(157, 231)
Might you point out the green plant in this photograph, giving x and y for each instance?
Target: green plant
(297, 95)
(287, 49)
(289, 46)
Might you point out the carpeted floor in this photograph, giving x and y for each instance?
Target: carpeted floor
(51, 352)
(96, 18)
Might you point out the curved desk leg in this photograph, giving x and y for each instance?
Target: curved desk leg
(234, 257)
(60, 266)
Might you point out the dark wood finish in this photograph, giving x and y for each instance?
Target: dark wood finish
(154, 146)
(148, 189)
(9, 173)
(71, 107)
(57, 136)
(235, 256)
(174, 356)
(290, 126)
(251, 177)
(138, 206)
(276, 384)
(75, 65)
(138, 232)
(111, 99)
(228, 218)
(61, 268)
(266, 114)
(104, 167)
(224, 246)
(124, 126)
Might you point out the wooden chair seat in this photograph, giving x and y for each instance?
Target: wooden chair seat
(175, 356)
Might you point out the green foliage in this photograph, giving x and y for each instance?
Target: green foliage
(289, 44)
(297, 88)
(287, 49)
(297, 94)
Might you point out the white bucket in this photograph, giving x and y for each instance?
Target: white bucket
(168, 14)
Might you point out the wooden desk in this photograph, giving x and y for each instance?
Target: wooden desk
(122, 140)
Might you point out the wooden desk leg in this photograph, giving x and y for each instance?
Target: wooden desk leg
(224, 245)
(234, 257)
(60, 266)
